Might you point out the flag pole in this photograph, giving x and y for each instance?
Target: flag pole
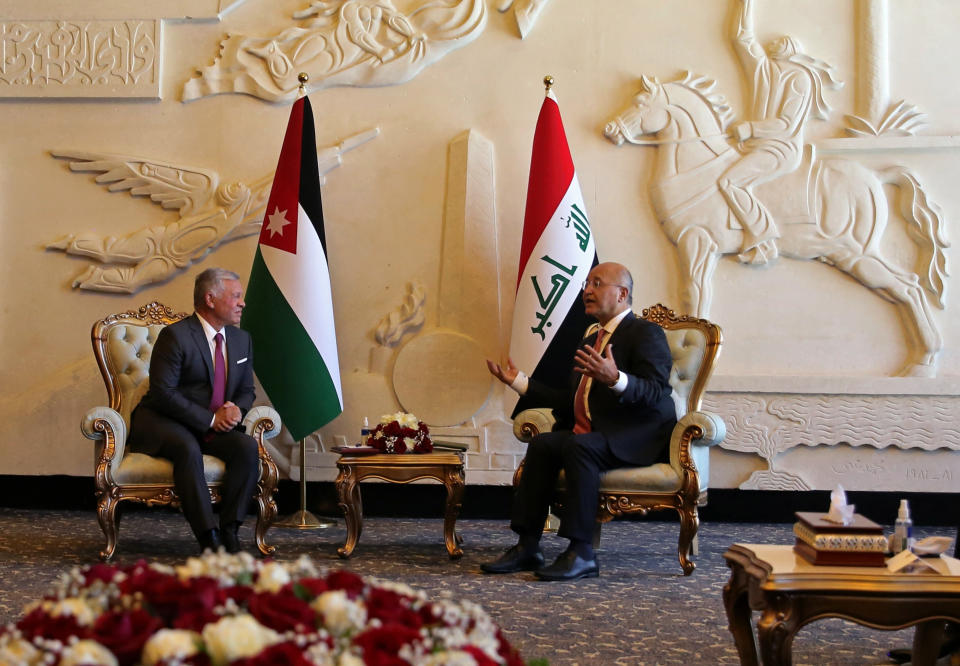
(303, 519)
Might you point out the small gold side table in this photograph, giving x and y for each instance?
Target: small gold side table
(447, 468)
(790, 592)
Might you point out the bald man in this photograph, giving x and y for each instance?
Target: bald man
(616, 411)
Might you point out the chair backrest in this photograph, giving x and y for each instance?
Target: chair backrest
(695, 345)
(122, 344)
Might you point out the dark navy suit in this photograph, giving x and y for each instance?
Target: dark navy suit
(632, 428)
(173, 420)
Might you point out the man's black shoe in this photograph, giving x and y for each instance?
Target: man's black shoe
(513, 560)
(231, 538)
(569, 566)
(210, 540)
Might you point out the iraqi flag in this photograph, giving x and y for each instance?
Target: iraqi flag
(289, 310)
(556, 254)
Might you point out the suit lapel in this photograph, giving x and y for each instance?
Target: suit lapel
(196, 329)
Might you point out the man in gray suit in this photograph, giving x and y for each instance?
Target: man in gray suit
(201, 386)
(616, 411)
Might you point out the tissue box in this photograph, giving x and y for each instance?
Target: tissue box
(819, 541)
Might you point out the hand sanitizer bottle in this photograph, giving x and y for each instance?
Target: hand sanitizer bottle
(903, 529)
(364, 431)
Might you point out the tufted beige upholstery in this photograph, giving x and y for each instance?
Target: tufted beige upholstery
(122, 344)
(682, 484)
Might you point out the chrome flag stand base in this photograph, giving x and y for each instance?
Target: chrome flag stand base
(303, 519)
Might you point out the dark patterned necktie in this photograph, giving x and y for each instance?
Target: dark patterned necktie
(219, 375)
(581, 420)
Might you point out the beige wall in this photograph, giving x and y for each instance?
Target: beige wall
(384, 208)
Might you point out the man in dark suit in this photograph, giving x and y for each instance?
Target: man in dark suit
(201, 385)
(616, 412)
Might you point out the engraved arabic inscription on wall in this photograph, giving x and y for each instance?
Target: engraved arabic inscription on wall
(86, 58)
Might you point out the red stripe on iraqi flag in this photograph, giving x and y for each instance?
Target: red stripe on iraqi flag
(551, 170)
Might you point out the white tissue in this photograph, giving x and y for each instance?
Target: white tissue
(840, 512)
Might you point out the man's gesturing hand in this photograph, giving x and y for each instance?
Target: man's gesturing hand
(602, 368)
(504, 374)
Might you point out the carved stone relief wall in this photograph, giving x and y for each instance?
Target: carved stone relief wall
(788, 430)
(424, 226)
(340, 43)
(209, 213)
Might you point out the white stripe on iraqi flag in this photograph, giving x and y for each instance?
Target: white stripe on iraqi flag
(550, 282)
(304, 279)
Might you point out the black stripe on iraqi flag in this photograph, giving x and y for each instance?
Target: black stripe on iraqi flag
(556, 364)
(310, 174)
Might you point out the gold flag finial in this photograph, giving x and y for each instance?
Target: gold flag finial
(548, 82)
(303, 77)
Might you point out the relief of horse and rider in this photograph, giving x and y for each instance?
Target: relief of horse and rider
(756, 190)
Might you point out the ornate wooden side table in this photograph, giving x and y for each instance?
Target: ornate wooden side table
(447, 468)
(789, 593)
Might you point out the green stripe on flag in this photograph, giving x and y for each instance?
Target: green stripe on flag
(291, 370)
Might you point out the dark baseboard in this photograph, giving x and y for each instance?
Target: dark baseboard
(427, 500)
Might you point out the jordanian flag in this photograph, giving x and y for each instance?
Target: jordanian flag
(556, 254)
(289, 309)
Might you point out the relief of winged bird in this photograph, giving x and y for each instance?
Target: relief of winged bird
(210, 213)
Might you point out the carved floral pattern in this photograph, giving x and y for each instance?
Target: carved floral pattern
(768, 425)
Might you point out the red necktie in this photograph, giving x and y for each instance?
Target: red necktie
(219, 375)
(581, 420)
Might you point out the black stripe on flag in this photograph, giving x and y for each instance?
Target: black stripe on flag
(310, 174)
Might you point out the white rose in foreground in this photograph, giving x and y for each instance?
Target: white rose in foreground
(87, 653)
(340, 615)
(273, 576)
(347, 659)
(236, 637)
(78, 608)
(450, 658)
(170, 644)
(18, 651)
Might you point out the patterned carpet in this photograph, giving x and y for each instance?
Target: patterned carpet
(641, 610)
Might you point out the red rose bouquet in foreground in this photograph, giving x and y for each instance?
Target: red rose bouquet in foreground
(232, 609)
(400, 433)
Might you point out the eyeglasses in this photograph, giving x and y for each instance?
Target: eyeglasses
(596, 283)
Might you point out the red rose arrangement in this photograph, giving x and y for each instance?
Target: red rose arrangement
(400, 433)
(220, 610)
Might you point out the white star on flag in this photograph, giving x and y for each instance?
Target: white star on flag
(277, 222)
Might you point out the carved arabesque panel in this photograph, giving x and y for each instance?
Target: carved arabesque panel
(80, 58)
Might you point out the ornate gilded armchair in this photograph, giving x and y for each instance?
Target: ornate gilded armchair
(682, 484)
(122, 344)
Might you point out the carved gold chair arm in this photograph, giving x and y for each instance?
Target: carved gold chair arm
(712, 428)
(262, 413)
(103, 423)
(531, 422)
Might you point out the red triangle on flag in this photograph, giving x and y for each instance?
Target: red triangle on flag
(280, 220)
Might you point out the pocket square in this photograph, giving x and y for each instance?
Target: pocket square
(242, 360)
